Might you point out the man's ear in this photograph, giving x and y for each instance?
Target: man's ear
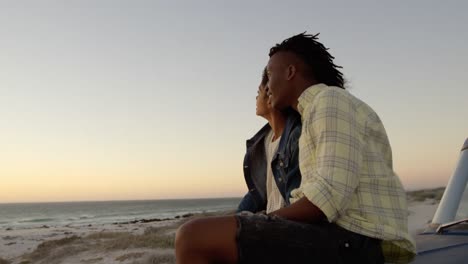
(290, 72)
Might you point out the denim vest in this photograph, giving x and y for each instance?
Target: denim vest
(285, 165)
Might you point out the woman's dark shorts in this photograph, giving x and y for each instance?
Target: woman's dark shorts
(267, 239)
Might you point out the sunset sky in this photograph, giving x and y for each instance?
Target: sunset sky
(112, 100)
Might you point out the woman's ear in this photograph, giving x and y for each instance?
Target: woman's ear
(267, 90)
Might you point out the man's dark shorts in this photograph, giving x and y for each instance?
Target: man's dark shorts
(266, 239)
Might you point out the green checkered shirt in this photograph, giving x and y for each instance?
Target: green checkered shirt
(346, 165)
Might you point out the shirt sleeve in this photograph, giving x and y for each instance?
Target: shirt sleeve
(332, 149)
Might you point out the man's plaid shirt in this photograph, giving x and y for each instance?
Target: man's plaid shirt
(346, 164)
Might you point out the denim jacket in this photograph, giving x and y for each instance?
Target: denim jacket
(285, 165)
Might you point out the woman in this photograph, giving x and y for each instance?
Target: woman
(271, 172)
(270, 164)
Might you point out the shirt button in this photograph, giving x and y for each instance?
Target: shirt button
(281, 164)
(280, 180)
(346, 245)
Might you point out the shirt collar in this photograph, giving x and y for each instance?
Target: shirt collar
(308, 95)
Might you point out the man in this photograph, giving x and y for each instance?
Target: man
(344, 154)
(350, 206)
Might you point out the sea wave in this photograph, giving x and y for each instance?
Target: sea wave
(37, 220)
(80, 217)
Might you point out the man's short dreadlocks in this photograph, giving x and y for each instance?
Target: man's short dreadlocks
(315, 56)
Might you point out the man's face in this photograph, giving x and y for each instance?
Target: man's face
(278, 82)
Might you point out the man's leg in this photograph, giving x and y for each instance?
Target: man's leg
(266, 239)
(207, 240)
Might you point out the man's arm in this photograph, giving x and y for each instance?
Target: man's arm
(301, 211)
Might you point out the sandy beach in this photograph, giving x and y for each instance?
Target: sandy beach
(108, 243)
(124, 243)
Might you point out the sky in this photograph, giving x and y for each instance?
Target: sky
(119, 100)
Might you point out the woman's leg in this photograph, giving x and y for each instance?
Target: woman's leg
(207, 240)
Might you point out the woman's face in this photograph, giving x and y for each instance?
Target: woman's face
(263, 102)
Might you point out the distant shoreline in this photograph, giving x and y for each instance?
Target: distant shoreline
(425, 194)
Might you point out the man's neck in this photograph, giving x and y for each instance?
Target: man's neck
(300, 89)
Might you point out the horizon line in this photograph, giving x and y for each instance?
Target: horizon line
(119, 200)
(166, 199)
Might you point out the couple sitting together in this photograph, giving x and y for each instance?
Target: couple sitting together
(321, 183)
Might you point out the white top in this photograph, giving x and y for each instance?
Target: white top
(274, 199)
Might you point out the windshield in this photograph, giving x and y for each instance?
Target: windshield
(454, 203)
(462, 211)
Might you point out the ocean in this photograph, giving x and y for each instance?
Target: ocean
(31, 215)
